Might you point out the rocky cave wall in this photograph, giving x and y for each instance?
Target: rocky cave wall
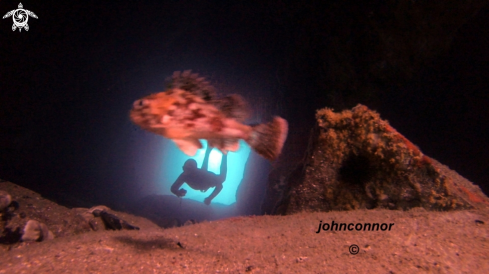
(355, 160)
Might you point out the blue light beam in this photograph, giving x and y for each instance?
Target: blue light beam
(174, 159)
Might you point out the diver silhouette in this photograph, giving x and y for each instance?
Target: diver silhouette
(200, 178)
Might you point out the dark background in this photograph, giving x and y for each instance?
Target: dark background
(67, 84)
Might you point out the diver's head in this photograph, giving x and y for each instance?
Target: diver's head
(190, 165)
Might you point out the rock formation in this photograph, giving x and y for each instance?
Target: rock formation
(251, 190)
(26, 216)
(357, 160)
(36, 231)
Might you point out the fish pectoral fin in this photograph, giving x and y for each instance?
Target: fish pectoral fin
(214, 143)
(224, 145)
(188, 146)
(231, 145)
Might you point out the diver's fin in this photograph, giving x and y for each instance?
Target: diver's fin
(268, 139)
(188, 146)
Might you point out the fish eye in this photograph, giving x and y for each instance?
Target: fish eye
(140, 103)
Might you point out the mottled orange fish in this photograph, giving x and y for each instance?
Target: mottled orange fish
(189, 110)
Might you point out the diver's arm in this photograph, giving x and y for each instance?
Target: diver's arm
(175, 188)
(205, 164)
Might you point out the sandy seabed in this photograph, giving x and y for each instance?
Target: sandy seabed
(419, 241)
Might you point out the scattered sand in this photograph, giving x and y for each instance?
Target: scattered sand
(419, 241)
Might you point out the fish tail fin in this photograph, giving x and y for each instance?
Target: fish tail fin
(268, 139)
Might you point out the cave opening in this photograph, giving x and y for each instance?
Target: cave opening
(356, 170)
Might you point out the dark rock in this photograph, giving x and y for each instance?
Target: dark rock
(292, 156)
(274, 190)
(170, 211)
(190, 222)
(9, 236)
(30, 217)
(355, 160)
(113, 222)
(110, 221)
(252, 189)
(84, 222)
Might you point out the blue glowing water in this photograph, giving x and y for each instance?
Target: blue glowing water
(174, 158)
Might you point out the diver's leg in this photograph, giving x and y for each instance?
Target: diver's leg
(224, 168)
(205, 163)
(216, 191)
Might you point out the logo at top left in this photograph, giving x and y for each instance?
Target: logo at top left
(20, 17)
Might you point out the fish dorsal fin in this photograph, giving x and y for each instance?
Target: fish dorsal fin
(191, 82)
(233, 106)
(188, 146)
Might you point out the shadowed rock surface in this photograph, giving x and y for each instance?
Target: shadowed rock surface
(170, 211)
(252, 189)
(36, 218)
(355, 160)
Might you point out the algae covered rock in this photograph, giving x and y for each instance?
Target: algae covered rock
(357, 160)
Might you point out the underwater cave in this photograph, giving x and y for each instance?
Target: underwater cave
(173, 160)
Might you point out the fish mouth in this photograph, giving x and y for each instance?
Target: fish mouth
(139, 110)
(137, 116)
(145, 120)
